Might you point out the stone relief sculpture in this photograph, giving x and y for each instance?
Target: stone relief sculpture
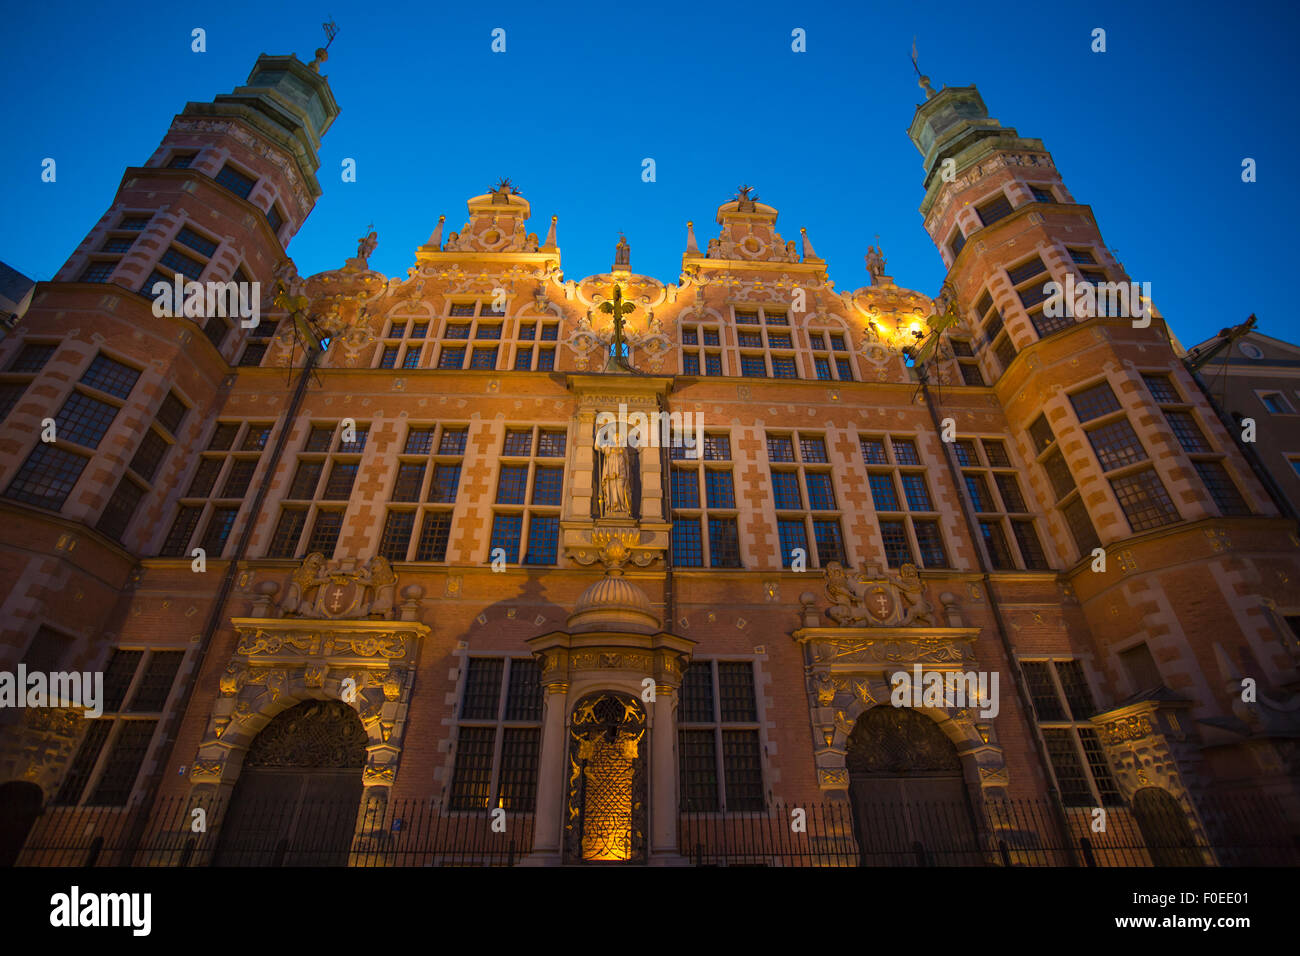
(875, 600)
(340, 591)
(380, 576)
(307, 576)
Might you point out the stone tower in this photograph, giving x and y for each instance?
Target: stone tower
(109, 399)
(1127, 457)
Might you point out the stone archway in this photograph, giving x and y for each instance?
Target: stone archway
(296, 799)
(910, 801)
(1165, 828)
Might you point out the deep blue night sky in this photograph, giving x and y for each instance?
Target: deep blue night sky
(1151, 133)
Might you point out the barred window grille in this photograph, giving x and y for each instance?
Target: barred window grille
(1070, 778)
(1094, 402)
(47, 477)
(325, 532)
(110, 376)
(32, 358)
(1145, 502)
(719, 751)
(1116, 445)
(235, 181)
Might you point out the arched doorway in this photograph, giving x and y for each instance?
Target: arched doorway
(296, 800)
(605, 821)
(910, 802)
(20, 805)
(1165, 829)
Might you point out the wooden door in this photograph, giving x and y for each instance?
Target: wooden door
(910, 803)
(299, 791)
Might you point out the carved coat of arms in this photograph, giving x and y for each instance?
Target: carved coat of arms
(872, 599)
(317, 590)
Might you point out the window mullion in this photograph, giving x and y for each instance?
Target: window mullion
(498, 736)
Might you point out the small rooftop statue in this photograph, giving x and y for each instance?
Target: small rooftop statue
(503, 190)
(367, 244)
(745, 198)
(622, 252)
(875, 264)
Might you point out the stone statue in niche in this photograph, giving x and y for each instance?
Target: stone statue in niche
(615, 482)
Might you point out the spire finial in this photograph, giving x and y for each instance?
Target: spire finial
(692, 248)
(809, 253)
(435, 240)
(922, 80)
(322, 53)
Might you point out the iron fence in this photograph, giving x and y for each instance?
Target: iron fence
(1236, 831)
(278, 833)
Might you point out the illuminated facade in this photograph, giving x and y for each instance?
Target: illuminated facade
(423, 576)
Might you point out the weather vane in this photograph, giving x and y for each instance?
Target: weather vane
(921, 78)
(331, 30)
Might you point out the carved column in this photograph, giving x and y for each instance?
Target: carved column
(652, 481)
(663, 778)
(582, 469)
(550, 772)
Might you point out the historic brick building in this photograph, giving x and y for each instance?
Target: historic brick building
(423, 576)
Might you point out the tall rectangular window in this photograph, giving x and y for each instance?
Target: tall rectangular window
(499, 736)
(137, 685)
(707, 481)
(719, 750)
(1063, 704)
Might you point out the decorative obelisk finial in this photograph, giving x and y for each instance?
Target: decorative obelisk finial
(435, 239)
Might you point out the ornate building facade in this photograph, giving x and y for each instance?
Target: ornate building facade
(379, 547)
